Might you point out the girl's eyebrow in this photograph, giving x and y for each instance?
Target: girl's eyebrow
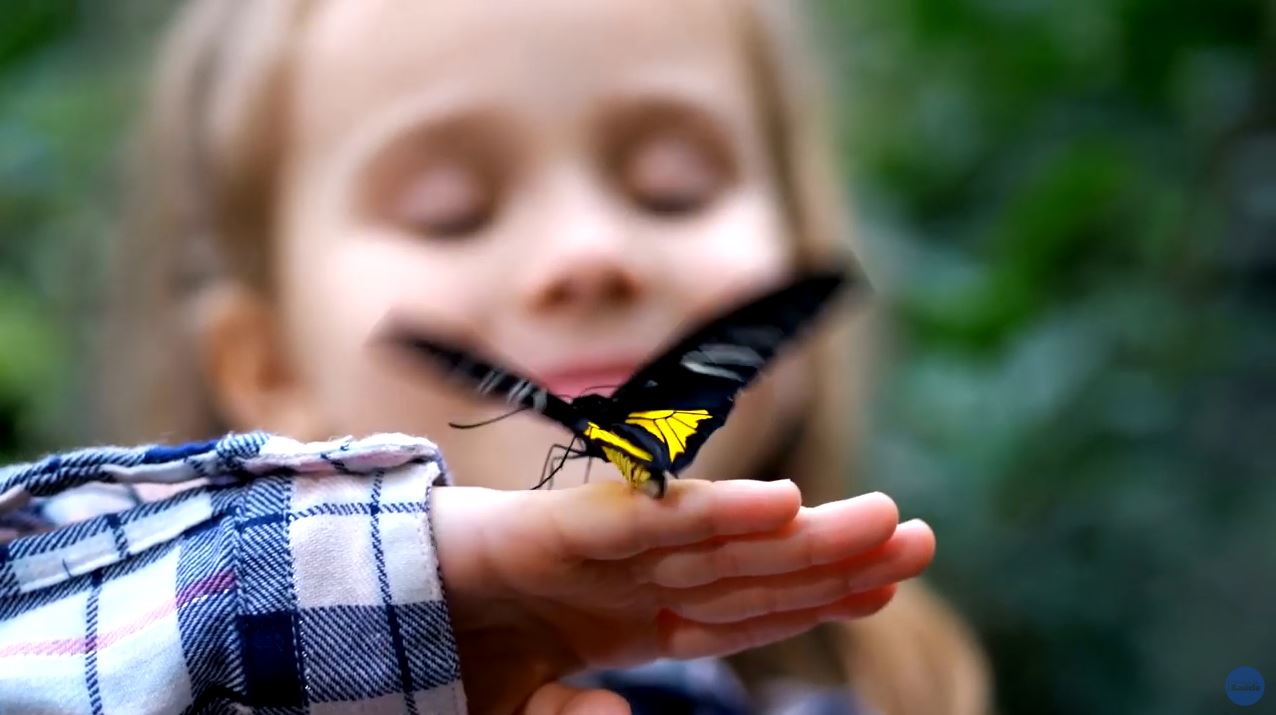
(672, 89)
(419, 122)
(422, 118)
(678, 105)
(703, 109)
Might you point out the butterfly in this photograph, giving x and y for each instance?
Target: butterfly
(653, 426)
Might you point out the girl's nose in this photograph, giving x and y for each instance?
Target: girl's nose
(586, 282)
(584, 258)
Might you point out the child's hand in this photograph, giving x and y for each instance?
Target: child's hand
(544, 583)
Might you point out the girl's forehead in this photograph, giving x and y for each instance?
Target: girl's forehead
(535, 56)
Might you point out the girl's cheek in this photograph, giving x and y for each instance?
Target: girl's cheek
(740, 252)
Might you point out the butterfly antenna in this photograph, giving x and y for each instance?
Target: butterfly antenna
(484, 423)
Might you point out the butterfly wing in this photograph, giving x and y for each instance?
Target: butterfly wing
(686, 394)
(485, 376)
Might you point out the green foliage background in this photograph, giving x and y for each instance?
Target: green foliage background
(1070, 208)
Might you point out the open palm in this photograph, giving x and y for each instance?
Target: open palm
(543, 584)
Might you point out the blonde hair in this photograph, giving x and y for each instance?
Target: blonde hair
(200, 214)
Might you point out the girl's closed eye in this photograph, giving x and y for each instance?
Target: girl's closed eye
(445, 179)
(671, 175)
(446, 199)
(668, 160)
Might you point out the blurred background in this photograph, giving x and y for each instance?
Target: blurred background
(1071, 210)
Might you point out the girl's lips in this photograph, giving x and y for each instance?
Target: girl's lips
(602, 380)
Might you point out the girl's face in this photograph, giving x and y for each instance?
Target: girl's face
(562, 184)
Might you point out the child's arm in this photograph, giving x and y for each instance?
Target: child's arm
(306, 574)
(300, 575)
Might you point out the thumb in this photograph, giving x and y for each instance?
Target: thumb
(558, 699)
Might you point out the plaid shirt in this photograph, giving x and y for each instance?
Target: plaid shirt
(266, 588)
(289, 578)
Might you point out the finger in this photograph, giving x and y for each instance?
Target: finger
(559, 699)
(905, 555)
(686, 639)
(818, 535)
(609, 520)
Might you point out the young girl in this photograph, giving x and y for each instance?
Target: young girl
(567, 185)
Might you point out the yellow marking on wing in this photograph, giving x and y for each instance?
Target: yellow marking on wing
(634, 472)
(594, 432)
(672, 427)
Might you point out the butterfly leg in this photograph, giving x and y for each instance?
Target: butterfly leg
(546, 474)
(549, 468)
(570, 452)
(563, 460)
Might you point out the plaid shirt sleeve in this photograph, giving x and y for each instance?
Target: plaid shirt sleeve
(295, 578)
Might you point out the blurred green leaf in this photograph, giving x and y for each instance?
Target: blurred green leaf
(32, 25)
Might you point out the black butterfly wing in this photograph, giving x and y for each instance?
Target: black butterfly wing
(485, 376)
(686, 394)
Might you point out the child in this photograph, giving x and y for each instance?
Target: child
(563, 183)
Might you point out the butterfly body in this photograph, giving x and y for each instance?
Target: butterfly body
(634, 455)
(653, 426)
